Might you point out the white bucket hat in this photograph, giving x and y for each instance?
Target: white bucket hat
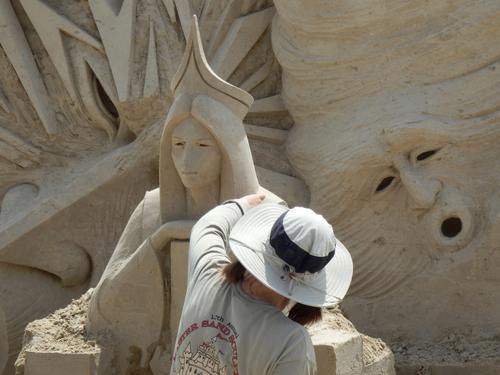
(293, 252)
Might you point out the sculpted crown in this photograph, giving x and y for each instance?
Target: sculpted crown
(195, 77)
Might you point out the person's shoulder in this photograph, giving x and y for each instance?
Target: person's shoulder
(300, 331)
(299, 338)
(287, 327)
(297, 347)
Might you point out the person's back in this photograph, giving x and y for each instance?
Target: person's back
(223, 329)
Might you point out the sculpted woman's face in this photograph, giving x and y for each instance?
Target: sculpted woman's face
(196, 154)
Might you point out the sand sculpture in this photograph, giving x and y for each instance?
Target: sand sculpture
(394, 110)
(84, 92)
(396, 133)
(205, 159)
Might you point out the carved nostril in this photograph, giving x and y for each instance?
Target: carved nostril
(451, 227)
(451, 223)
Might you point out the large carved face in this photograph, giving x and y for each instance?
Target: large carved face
(416, 203)
(196, 155)
(396, 111)
(404, 173)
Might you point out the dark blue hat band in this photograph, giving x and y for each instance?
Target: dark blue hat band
(293, 254)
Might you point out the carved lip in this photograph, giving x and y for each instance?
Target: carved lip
(450, 223)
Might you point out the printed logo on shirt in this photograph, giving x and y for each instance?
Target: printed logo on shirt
(216, 356)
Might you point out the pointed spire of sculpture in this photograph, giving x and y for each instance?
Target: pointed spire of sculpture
(195, 77)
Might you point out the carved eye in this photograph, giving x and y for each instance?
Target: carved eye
(179, 143)
(203, 145)
(426, 154)
(385, 183)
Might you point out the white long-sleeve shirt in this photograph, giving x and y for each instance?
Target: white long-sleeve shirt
(222, 329)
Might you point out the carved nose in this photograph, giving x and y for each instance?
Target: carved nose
(187, 156)
(422, 189)
(191, 158)
(184, 159)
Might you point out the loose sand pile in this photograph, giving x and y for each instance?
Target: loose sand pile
(62, 332)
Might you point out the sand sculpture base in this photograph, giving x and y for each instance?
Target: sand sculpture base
(58, 345)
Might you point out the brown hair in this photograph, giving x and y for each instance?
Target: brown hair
(302, 314)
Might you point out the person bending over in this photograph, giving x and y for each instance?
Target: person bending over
(248, 263)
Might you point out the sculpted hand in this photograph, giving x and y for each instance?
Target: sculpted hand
(173, 230)
(254, 200)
